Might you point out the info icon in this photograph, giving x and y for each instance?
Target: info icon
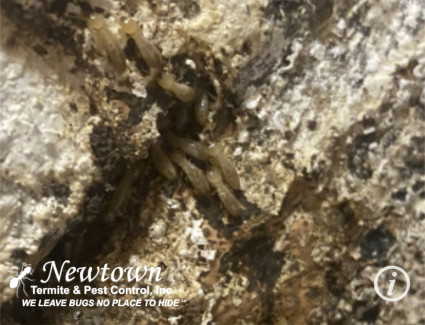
(392, 283)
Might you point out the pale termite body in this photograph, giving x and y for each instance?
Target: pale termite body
(188, 146)
(201, 109)
(149, 52)
(107, 42)
(229, 201)
(193, 173)
(183, 92)
(221, 161)
(162, 163)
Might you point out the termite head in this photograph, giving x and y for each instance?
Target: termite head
(96, 22)
(214, 176)
(215, 150)
(129, 26)
(183, 92)
(178, 157)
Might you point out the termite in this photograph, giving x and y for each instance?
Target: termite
(193, 173)
(183, 92)
(148, 51)
(162, 163)
(188, 146)
(106, 41)
(230, 202)
(201, 109)
(221, 161)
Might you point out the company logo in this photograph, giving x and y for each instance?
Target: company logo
(143, 286)
(18, 280)
(393, 276)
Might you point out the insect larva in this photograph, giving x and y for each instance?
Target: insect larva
(230, 202)
(188, 146)
(106, 41)
(183, 92)
(193, 173)
(162, 163)
(148, 51)
(201, 109)
(220, 160)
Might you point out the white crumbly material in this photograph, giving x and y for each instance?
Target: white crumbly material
(43, 144)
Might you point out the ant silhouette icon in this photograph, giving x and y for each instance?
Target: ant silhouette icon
(16, 282)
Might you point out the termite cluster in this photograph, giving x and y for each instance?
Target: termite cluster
(174, 149)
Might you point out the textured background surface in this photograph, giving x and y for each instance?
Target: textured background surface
(321, 105)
